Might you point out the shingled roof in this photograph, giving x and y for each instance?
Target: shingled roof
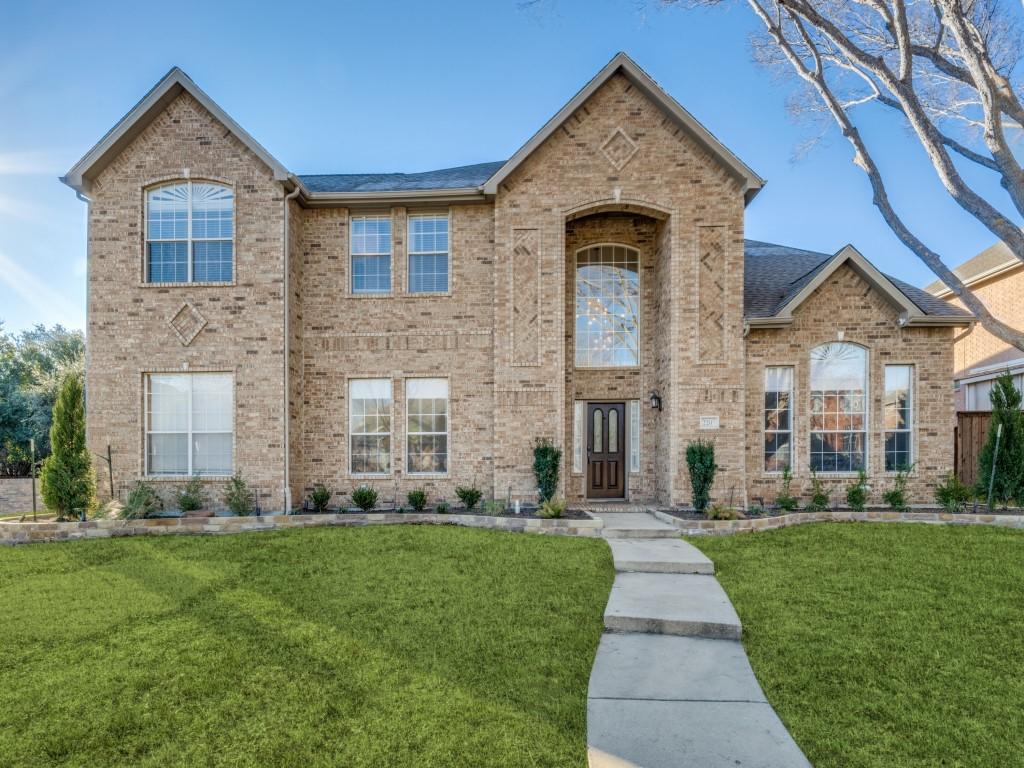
(990, 262)
(460, 177)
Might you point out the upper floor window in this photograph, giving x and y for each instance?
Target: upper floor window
(899, 416)
(778, 418)
(371, 254)
(190, 231)
(428, 253)
(838, 407)
(607, 307)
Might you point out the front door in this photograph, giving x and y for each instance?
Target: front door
(606, 451)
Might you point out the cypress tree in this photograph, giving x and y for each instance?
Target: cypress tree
(67, 478)
(1009, 463)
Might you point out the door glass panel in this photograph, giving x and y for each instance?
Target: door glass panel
(598, 437)
(613, 430)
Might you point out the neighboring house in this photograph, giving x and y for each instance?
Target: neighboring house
(996, 277)
(425, 329)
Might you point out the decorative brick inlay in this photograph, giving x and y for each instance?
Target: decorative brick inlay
(526, 297)
(619, 149)
(712, 269)
(187, 322)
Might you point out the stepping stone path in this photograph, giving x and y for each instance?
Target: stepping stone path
(671, 685)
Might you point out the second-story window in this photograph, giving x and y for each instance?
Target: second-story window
(428, 253)
(190, 232)
(371, 254)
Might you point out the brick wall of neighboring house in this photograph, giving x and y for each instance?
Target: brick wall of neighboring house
(128, 321)
(846, 303)
(16, 495)
(1002, 296)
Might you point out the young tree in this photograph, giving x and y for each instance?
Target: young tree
(67, 478)
(1008, 484)
(945, 68)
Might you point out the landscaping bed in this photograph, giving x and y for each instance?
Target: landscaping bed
(688, 513)
(884, 646)
(525, 513)
(411, 645)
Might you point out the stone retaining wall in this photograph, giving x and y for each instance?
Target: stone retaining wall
(16, 495)
(712, 527)
(17, 533)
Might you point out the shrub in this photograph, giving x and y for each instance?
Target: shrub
(190, 496)
(469, 495)
(546, 460)
(320, 497)
(417, 499)
(494, 507)
(443, 508)
(952, 494)
(142, 501)
(819, 496)
(896, 498)
(238, 496)
(786, 500)
(1008, 484)
(721, 512)
(552, 508)
(857, 494)
(364, 497)
(67, 479)
(700, 459)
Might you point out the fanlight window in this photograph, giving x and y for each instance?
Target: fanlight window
(838, 407)
(607, 307)
(189, 233)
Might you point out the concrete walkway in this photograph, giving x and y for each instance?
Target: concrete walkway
(671, 685)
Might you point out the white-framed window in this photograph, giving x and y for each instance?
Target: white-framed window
(428, 253)
(190, 423)
(190, 232)
(898, 416)
(778, 418)
(370, 246)
(426, 436)
(578, 415)
(607, 307)
(839, 397)
(369, 426)
(634, 436)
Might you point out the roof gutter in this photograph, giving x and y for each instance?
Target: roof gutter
(937, 321)
(287, 348)
(457, 195)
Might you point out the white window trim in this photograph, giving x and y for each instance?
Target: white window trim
(446, 433)
(792, 420)
(912, 447)
(867, 411)
(190, 432)
(190, 257)
(633, 434)
(640, 309)
(352, 255)
(390, 432)
(410, 253)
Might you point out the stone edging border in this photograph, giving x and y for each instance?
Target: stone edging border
(19, 533)
(725, 527)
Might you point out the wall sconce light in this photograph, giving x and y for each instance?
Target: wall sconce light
(655, 400)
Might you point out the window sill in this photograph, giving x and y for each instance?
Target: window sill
(378, 476)
(185, 478)
(223, 284)
(428, 475)
(427, 294)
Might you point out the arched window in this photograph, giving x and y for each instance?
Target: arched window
(189, 233)
(838, 407)
(607, 307)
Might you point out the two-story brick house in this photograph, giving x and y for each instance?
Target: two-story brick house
(425, 329)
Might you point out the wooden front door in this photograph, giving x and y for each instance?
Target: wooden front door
(606, 451)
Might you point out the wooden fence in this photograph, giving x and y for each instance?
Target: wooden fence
(971, 430)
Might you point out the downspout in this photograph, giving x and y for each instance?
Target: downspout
(287, 350)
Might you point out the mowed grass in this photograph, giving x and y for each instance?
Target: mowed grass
(402, 646)
(886, 644)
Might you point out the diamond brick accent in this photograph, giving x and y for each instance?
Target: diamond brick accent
(186, 323)
(619, 149)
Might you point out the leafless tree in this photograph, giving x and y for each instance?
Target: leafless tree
(945, 68)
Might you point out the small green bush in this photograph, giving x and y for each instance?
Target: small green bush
(786, 501)
(952, 494)
(819, 496)
(494, 507)
(552, 508)
(896, 498)
(238, 497)
(417, 499)
(857, 494)
(142, 501)
(190, 496)
(443, 508)
(700, 459)
(364, 497)
(546, 461)
(469, 495)
(721, 512)
(320, 497)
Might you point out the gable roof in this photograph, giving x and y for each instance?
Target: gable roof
(778, 278)
(640, 79)
(992, 261)
(461, 177)
(171, 85)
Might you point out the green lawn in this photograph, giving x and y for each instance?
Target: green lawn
(886, 644)
(403, 646)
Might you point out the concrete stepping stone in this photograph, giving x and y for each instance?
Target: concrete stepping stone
(635, 525)
(671, 604)
(659, 556)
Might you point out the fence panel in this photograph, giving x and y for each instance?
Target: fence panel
(971, 430)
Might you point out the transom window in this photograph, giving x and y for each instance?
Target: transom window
(607, 307)
(778, 418)
(189, 423)
(189, 233)
(369, 426)
(428, 253)
(427, 434)
(899, 417)
(371, 254)
(838, 407)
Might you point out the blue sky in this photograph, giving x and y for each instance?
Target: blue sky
(345, 87)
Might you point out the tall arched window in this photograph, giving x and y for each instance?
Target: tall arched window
(189, 232)
(607, 307)
(838, 407)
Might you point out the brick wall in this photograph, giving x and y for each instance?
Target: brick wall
(1002, 296)
(16, 495)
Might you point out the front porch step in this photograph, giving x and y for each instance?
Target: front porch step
(659, 556)
(634, 525)
(691, 605)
